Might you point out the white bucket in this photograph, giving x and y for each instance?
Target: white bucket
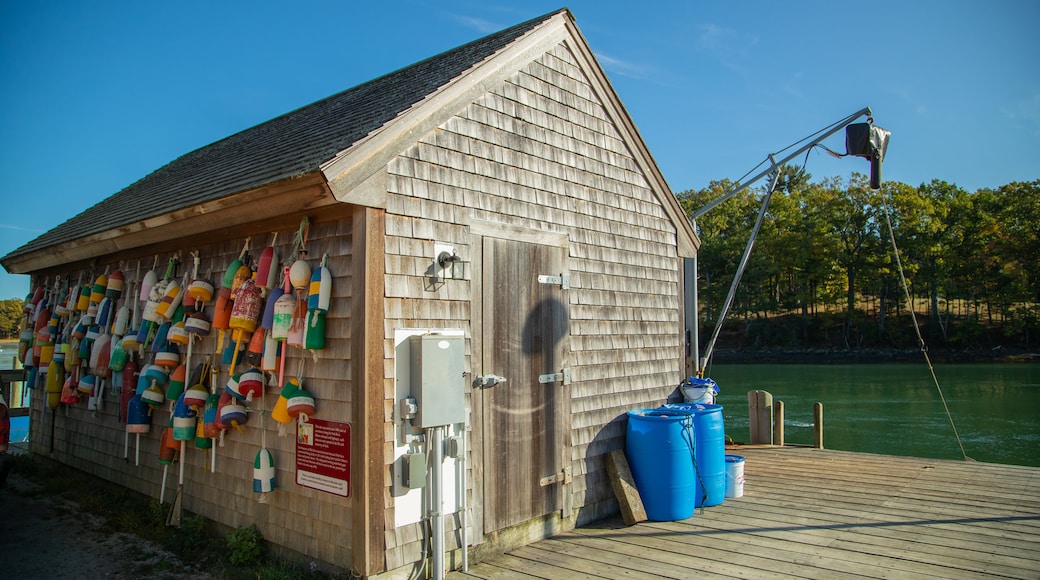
(734, 476)
(701, 391)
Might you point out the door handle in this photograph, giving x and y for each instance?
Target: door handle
(485, 381)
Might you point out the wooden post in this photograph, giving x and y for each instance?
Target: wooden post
(778, 423)
(632, 510)
(760, 417)
(817, 420)
(368, 441)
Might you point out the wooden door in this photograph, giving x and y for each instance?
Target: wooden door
(525, 420)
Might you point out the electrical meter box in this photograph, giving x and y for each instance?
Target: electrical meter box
(437, 379)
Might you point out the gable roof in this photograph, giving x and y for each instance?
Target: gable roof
(282, 148)
(319, 139)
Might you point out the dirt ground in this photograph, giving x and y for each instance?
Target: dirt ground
(49, 537)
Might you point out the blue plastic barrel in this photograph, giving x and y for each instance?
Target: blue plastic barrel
(659, 446)
(710, 450)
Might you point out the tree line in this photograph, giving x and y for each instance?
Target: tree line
(824, 273)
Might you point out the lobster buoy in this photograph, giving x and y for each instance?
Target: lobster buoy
(34, 299)
(211, 426)
(147, 283)
(86, 384)
(55, 377)
(138, 416)
(314, 331)
(129, 387)
(25, 340)
(184, 419)
(267, 269)
(282, 317)
(201, 440)
(233, 415)
(81, 326)
(255, 349)
(153, 395)
(222, 310)
(222, 315)
(97, 292)
(155, 297)
(196, 324)
(263, 471)
(241, 275)
(269, 358)
(267, 320)
(300, 275)
(200, 290)
(320, 288)
(178, 334)
(61, 348)
(175, 388)
(162, 338)
(169, 358)
(170, 301)
(280, 413)
(104, 315)
(300, 405)
(228, 281)
(251, 384)
(157, 374)
(298, 324)
(245, 314)
(117, 360)
(101, 356)
(130, 342)
(168, 447)
(83, 302)
(196, 396)
(231, 386)
(69, 392)
(116, 282)
(122, 321)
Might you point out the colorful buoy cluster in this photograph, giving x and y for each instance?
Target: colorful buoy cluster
(82, 338)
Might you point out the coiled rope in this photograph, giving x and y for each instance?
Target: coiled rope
(917, 327)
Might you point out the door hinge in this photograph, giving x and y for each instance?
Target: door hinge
(563, 280)
(563, 376)
(563, 477)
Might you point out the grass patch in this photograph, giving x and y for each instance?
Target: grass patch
(239, 554)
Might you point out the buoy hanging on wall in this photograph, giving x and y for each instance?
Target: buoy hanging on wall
(263, 472)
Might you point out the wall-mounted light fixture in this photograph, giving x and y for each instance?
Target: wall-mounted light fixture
(447, 265)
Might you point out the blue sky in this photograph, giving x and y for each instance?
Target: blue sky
(95, 95)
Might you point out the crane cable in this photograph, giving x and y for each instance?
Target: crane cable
(917, 328)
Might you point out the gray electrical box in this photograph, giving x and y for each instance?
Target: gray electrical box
(413, 470)
(438, 383)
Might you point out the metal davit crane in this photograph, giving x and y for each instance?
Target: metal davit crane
(861, 140)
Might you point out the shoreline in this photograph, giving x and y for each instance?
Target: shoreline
(870, 356)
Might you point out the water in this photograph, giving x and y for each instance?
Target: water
(894, 408)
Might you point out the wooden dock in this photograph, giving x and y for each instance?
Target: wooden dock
(817, 514)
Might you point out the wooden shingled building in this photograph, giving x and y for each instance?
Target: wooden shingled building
(496, 199)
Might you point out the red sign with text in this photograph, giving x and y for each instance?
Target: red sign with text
(323, 456)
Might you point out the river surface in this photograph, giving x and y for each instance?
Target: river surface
(895, 409)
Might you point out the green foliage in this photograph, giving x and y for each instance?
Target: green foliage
(10, 317)
(972, 260)
(241, 554)
(245, 546)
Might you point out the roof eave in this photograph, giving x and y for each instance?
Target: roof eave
(292, 196)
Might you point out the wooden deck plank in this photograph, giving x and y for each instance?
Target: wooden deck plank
(821, 513)
(951, 532)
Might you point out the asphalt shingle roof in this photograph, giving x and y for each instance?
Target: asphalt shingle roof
(290, 145)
